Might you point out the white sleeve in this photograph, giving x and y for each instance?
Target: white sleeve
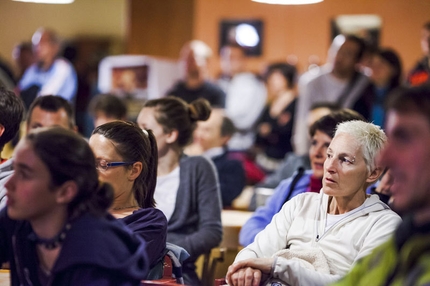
(274, 237)
(292, 273)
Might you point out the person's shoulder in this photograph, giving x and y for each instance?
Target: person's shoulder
(63, 63)
(306, 198)
(247, 77)
(103, 241)
(195, 161)
(103, 231)
(324, 75)
(224, 162)
(212, 88)
(147, 214)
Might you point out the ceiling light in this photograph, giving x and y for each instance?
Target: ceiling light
(47, 1)
(288, 2)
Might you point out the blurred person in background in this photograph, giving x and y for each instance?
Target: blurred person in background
(420, 74)
(386, 72)
(275, 126)
(246, 96)
(50, 74)
(195, 84)
(105, 108)
(212, 136)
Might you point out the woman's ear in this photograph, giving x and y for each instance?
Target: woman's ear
(374, 175)
(66, 192)
(172, 136)
(136, 169)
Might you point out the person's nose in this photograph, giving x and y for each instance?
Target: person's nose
(319, 152)
(10, 184)
(329, 165)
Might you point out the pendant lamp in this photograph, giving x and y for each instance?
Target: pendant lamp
(288, 2)
(47, 1)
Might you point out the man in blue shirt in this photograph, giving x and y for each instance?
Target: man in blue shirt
(50, 75)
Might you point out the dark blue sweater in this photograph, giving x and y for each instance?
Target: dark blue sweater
(96, 251)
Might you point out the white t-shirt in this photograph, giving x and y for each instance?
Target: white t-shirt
(166, 191)
(333, 219)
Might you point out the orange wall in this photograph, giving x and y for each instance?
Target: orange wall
(305, 30)
(159, 27)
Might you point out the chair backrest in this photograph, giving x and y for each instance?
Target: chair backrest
(170, 267)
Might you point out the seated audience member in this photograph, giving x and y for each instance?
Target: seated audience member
(56, 229)
(212, 136)
(106, 108)
(420, 74)
(194, 85)
(321, 132)
(50, 74)
(11, 114)
(292, 161)
(404, 258)
(341, 83)
(386, 72)
(45, 111)
(7, 80)
(126, 158)
(383, 187)
(49, 111)
(187, 188)
(275, 126)
(245, 96)
(317, 237)
(23, 56)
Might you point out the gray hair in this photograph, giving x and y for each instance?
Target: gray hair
(370, 137)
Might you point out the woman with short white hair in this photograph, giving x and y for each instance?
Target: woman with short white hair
(316, 238)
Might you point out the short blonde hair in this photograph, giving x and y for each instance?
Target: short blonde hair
(370, 137)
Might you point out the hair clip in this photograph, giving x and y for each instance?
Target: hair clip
(145, 132)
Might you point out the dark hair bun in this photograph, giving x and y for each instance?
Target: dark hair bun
(103, 197)
(199, 110)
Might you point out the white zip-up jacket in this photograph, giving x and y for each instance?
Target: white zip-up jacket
(301, 223)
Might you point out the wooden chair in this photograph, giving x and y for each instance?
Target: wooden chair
(220, 282)
(168, 278)
(169, 270)
(210, 261)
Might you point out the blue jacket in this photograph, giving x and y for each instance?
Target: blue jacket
(263, 215)
(96, 251)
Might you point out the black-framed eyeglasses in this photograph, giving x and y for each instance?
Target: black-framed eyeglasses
(103, 165)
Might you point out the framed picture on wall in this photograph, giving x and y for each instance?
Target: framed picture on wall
(246, 33)
(367, 26)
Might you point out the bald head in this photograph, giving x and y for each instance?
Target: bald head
(46, 45)
(193, 58)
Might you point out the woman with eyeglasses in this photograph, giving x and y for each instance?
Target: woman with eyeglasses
(56, 229)
(126, 158)
(187, 188)
(317, 237)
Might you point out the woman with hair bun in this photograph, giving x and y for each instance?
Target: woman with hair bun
(56, 229)
(187, 188)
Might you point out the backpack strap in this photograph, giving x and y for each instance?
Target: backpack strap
(300, 172)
